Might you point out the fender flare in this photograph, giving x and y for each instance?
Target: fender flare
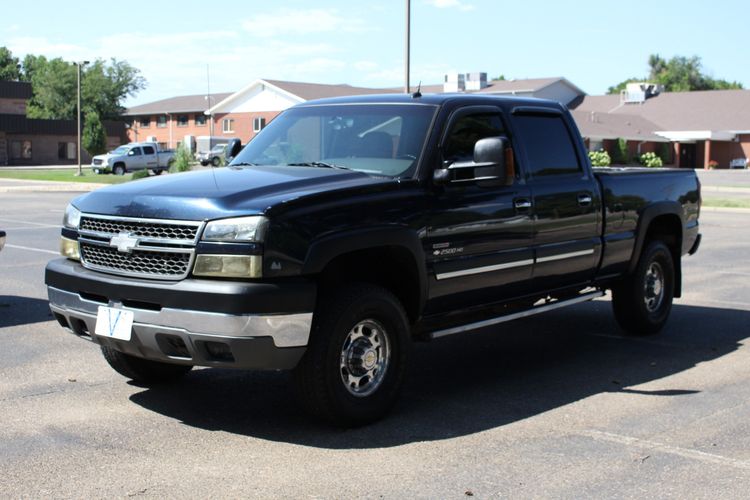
(326, 249)
(647, 216)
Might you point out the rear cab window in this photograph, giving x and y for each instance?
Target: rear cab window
(548, 144)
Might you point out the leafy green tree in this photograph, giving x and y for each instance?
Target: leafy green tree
(10, 69)
(94, 137)
(620, 154)
(104, 86)
(678, 74)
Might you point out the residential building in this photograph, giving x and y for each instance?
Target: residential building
(701, 126)
(28, 141)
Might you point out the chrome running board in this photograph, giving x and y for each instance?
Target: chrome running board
(521, 314)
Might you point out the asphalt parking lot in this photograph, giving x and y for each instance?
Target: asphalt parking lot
(555, 406)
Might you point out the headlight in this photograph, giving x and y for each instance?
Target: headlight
(72, 217)
(236, 230)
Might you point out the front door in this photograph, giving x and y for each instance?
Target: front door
(687, 155)
(479, 237)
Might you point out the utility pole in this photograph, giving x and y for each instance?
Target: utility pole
(408, 29)
(210, 113)
(78, 65)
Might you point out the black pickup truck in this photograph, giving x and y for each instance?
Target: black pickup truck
(350, 227)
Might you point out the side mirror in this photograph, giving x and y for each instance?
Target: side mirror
(233, 148)
(131, 152)
(489, 164)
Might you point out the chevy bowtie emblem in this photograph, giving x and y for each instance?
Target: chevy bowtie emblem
(125, 242)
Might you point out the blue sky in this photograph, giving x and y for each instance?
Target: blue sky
(594, 44)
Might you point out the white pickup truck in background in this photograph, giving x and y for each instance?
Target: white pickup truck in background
(132, 157)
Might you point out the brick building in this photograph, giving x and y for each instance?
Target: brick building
(28, 141)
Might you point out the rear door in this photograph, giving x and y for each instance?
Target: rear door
(479, 237)
(564, 196)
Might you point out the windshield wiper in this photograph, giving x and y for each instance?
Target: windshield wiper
(320, 164)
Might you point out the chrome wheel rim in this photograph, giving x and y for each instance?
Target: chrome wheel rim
(653, 295)
(365, 356)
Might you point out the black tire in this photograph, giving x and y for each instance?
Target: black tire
(141, 370)
(204, 163)
(160, 171)
(119, 169)
(642, 301)
(378, 323)
(215, 161)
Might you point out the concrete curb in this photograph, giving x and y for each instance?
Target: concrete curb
(26, 186)
(726, 209)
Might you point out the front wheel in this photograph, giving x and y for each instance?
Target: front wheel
(642, 301)
(118, 170)
(141, 370)
(216, 161)
(353, 369)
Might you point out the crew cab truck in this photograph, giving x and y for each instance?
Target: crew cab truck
(350, 227)
(132, 157)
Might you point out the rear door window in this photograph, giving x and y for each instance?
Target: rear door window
(548, 144)
(148, 150)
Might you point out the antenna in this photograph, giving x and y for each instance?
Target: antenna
(418, 93)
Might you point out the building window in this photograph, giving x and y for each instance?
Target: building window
(161, 121)
(596, 145)
(200, 120)
(182, 120)
(258, 123)
(227, 125)
(20, 150)
(145, 121)
(66, 150)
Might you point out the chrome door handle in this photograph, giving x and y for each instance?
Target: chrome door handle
(584, 199)
(521, 203)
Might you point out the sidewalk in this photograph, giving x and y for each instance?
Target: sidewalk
(23, 185)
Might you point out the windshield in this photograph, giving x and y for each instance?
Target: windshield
(121, 150)
(380, 139)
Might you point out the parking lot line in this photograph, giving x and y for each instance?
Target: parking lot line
(701, 456)
(26, 222)
(19, 247)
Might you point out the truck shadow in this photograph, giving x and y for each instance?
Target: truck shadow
(15, 310)
(467, 384)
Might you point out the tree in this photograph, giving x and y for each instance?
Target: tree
(104, 86)
(94, 138)
(679, 74)
(10, 69)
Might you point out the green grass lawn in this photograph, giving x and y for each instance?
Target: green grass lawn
(65, 175)
(726, 202)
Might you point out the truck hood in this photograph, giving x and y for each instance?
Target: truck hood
(223, 192)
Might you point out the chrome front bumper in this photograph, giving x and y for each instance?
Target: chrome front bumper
(193, 337)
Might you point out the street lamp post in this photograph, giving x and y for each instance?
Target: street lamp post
(407, 48)
(78, 65)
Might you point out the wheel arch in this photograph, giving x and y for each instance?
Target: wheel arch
(661, 221)
(390, 257)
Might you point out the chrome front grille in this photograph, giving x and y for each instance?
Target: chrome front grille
(161, 230)
(167, 265)
(96, 161)
(156, 249)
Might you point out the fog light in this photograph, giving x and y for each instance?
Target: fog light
(70, 249)
(229, 266)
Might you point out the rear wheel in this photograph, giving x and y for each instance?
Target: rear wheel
(354, 365)
(642, 301)
(118, 169)
(143, 370)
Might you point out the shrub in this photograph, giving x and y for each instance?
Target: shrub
(665, 153)
(620, 154)
(713, 164)
(94, 138)
(182, 160)
(650, 160)
(140, 174)
(600, 158)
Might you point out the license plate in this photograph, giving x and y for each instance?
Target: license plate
(114, 323)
